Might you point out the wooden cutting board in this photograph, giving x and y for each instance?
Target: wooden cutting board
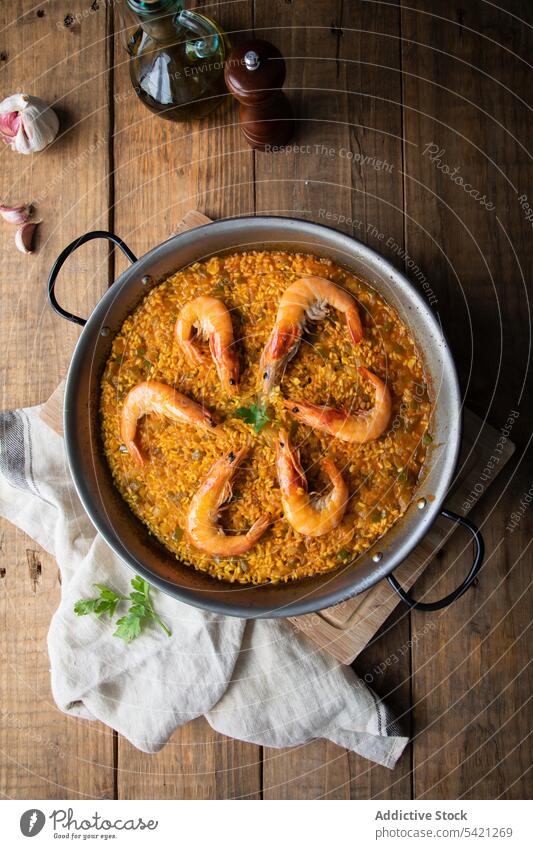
(345, 629)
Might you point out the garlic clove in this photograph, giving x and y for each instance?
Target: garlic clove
(16, 214)
(24, 236)
(27, 123)
(9, 124)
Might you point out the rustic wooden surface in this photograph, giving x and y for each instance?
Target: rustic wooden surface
(381, 80)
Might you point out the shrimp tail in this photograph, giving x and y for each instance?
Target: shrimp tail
(137, 455)
(258, 528)
(355, 327)
(193, 353)
(331, 471)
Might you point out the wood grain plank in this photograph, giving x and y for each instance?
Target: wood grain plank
(470, 676)
(45, 754)
(162, 170)
(196, 763)
(340, 121)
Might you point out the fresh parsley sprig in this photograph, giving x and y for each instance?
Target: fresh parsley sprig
(255, 415)
(106, 602)
(140, 612)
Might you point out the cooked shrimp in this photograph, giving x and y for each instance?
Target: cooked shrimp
(312, 517)
(201, 524)
(362, 426)
(210, 318)
(306, 298)
(154, 397)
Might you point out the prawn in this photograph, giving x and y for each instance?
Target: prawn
(154, 397)
(309, 516)
(202, 519)
(362, 426)
(306, 298)
(211, 320)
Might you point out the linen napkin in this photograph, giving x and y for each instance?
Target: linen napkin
(258, 681)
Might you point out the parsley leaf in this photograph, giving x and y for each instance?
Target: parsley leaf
(255, 415)
(108, 594)
(128, 627)
(140, 585)
(85, 606)
(140, 612)
(106, 602)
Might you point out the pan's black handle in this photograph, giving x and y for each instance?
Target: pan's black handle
(468, 581)
(64, 255)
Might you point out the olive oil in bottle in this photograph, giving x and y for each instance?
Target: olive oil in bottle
(176, 58)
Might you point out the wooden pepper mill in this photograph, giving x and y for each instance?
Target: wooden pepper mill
(255, 73)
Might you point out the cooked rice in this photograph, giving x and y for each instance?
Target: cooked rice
(381, 475)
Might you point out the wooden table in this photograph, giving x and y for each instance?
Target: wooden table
(374, 84)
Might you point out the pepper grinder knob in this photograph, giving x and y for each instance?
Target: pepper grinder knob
(255, 73)
(252, 60)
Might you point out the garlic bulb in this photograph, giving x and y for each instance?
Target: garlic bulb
(27, 123)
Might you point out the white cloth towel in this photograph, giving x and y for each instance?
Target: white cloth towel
(258, 681)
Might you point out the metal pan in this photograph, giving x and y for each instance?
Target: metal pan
(130, 539)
